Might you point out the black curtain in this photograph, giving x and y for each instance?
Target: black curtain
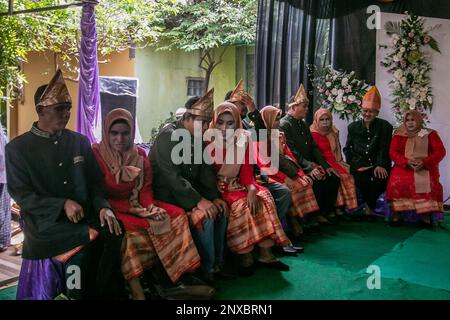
(292, 34)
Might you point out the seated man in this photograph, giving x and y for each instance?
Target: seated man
(367, 151)
(192, 184)
(300, 142)
(53, 176)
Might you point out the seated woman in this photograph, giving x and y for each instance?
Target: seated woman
(326, 136)
(290, 173)
(414, 181)
(253, 218)
(153, 230)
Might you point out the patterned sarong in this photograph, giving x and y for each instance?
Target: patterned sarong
(347, 193)
(245, 230)
(176, 251)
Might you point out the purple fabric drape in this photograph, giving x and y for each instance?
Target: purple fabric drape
(40, 279)
(88, 87)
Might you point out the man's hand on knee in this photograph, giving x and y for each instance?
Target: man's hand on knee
(380, 173)
(208, 207)
(221, 206)
(73, 210)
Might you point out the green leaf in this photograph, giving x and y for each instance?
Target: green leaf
(434, 45)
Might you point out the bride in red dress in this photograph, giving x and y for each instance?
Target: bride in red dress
(154, 230)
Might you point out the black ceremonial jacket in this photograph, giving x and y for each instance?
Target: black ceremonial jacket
(367, 147)
(44, 171)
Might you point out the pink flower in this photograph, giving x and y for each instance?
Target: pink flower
(411, 34)
(426, 39)
(403, 63)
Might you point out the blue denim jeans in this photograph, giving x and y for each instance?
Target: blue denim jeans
(282, 197)
(210, 242)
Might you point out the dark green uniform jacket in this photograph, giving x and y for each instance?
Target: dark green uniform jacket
(181, 184)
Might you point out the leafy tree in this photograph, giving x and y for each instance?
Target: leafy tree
(121, 24)
(209, 24)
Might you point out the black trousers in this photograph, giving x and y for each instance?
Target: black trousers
(369, 186)
(326, 192)
(99, 262)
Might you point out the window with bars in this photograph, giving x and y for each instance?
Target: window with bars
(195, 86)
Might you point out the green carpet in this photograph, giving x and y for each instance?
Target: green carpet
(423, 259)
(415, 264)
(8, 293)
(354, 245)
(312, 281)
(331, 267)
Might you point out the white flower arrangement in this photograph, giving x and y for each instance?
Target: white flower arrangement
(339, 91)
(409, 66)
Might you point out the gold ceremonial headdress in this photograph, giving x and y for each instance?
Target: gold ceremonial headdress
(372, 99)
(301, 96)
(205, 106)
(56, 92)
(238, 92)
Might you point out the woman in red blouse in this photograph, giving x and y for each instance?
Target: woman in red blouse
(154, 230)
(326, 137)
(253, 219)
(414, 180)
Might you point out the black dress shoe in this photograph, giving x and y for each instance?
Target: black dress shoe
(287, 251)
(246, 271)
(206, 278)
(333, 220)
(275, 265)
(395, 223)
(370, 218)
(314, 229)
(298, 249)
(426, 225)
(221, 275)
(189, 279)
(186, 292)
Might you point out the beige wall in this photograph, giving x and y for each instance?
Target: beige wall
(163, 83)
(38, 71)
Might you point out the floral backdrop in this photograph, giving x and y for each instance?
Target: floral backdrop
(410, 66)
(339, 91)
